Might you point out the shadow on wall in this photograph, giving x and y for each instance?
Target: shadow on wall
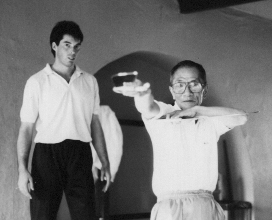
(155, 68)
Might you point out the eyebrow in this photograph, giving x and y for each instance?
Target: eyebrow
(180, 80)
(71, 43)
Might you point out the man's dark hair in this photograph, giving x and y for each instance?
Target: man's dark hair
(62, 28)
(189, 64)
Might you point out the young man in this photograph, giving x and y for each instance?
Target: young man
(184, 138)
(62, 103)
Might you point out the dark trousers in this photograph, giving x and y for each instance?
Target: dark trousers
(62, 167)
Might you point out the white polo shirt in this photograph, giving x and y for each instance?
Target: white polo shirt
(61, 110)
(185, 151)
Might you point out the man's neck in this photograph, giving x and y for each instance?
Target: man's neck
(63, 70)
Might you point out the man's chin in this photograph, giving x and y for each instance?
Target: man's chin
(187, 105)
(70, 64)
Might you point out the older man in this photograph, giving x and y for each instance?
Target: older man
(184, 138)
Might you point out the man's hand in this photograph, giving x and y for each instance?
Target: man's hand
(95, 173)
(105, 175)
(25, 183)
(132, 89)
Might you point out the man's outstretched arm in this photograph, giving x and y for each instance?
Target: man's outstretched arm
(143, 98)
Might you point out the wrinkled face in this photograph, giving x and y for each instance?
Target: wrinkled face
(188, 99)
(66, 51)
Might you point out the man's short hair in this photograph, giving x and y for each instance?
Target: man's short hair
(62, 28)
(189, 64)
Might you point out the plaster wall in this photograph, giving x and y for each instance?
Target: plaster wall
(234, 48)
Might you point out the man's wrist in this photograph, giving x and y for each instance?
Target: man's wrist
(106, 165)
(22, 170)
(197, 110)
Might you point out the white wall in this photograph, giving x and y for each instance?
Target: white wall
(235, 48)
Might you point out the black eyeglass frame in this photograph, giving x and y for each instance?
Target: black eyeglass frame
(187, 83)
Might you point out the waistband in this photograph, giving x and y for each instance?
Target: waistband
(185, 193)
(64, 142)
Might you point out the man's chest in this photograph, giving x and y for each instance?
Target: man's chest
(58, 92)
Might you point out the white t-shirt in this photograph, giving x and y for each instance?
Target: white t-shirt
(61, 110)
(185, 151)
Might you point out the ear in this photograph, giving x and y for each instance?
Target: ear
(54, 46)
(205, 91)
(173, 94)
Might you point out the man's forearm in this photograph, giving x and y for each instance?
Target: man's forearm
(25, 181)
(216, 111)
(101, 151)
(98, 141)
(23, 147)
(23, 155)
(145, 104)
(234, 117)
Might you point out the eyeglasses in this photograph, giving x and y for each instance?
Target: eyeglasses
(194, 86)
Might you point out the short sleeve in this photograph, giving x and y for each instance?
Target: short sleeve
(220, 127)
(96, 98)
(30, 107)
(164, 109)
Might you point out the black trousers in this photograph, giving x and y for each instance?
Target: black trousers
(62, 167)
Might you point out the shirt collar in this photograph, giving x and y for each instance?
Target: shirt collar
(48, 70)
